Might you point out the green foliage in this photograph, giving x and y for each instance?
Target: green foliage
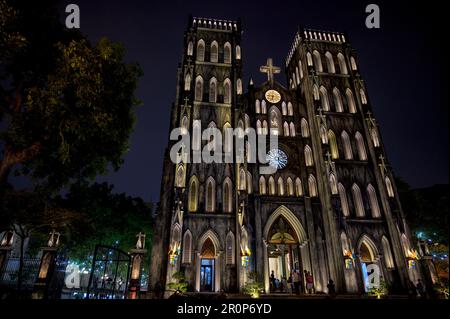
(180, 282)
(254, 286)
(380, 291)
(70, 112)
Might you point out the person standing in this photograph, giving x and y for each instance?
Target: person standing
(309, 282)
(296, 281)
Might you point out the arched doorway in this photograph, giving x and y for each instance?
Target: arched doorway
(208, 263)
(286, 248)
(368, 258)
(207, 266)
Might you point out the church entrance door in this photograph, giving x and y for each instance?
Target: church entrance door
(207, 275)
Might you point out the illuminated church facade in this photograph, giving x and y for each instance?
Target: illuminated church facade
(331, 208)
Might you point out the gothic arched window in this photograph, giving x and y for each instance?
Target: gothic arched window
(298, 187)
(227, 53)
(389, 188)
(317, 61)
(193, 194)
(238, 86)
(342, 64)
(333, 184)
(227, 196)
(304, 127)
(214, 57)
(292, 129)
(338, 100)
(187, 247)
(199, 88)
(357, 201)
(238, 52)
(350, 101)
(280, 186)
(289, 187)
(227, 91)
(300, 68)
(309, 59)
(323, 134)
(363, 96)
(258, 127)
(257, 107)
(348, 154)
(373, 201)
(201, 50)
(333, 145)
(242, 182)
(184, 125)
(286, 129)
(271, 186)
(316, 93)
(190, 48)
(197, 135)
(262, 185)
(179, 181)
(324, 101)
(312, 186)
(230, 249)
(213, 90)
(283, 108)
(210, 198)
(263, 107)
(249, 183)
(330, 63)
(308, 156)
(387, 253)
(353, 63)
(290, 109)
(187, 82)
(361, 148)
(344, 201)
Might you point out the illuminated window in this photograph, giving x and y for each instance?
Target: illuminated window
(213, 90)
(230, 258)
(214, 52)
(344, 201)
(373, 201)
(187, 82)
(342, 64)
(304, 127)
(350, 101)
(333, 145)
(312, 185)
(201, 50)
(317, 61)
(361, 148)
(227, 53)
(330, 63)
(308, 156)
(348, 154)
(389, 188)
(238, 52)
(357, 201)
(193, 194)
(333, 184)
(199, 88)
(210, 200)
(338, 100)
(187, 247)
(298, 187)
(325, 102)
(227, 91)
(190, 49)
(262, 185)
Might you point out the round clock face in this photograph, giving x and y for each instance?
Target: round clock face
(273, 96)
(277, 158)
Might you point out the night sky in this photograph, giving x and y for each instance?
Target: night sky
(402, 63)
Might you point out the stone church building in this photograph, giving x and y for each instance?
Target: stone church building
(331, 208)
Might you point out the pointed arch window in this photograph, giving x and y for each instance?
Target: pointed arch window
(265, 128)
(312, 186)
(187, 82)
(342, 64)
(357, 201)
(214, 57)
(353, 63)
(286, 129)
(373, 201)
(239, 87)
(300, 68)
(197, 135)
(323, 134)
(258, 127)
(350, 101)
(242, 182)
(263, 107)
(374, 135)
(338, 100)
(227, 196)
(227, 91)
(257, 107)
(324, 101)
(389, 188)
(333, 144)
(309, 59)
(271, 186)
(361, 148)
(280, 185)
(262, 185)
(179, 181)
(308, 156)
(316, 93)
(249, 183)
(317, 61)
(230, 249)
(201, 50)
(387, 253)
(193, 194)
(348, 154)
(184, 125)
(333, 184)
(187, 247)
(304, 127)
(289, 187)
(297, 74)
(213, 90)
(238, 52)
(190, 48)
(283, 108)
(298, 187)
(363, 96)
(210, 198)
(344, 201)
(199, 88)
(227, 137)
(330, 63)
(227, 53)
(290, 109)
(292, 129)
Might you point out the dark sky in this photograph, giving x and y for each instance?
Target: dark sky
(402, 63)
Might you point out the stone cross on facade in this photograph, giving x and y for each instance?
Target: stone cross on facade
(270, 69)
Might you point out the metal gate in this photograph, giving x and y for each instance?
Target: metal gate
(109, 274)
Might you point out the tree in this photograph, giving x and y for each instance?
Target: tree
(67, 105)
